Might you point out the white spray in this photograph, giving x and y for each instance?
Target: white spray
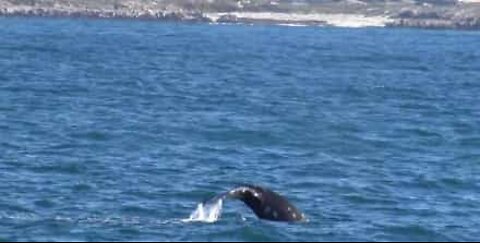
(208, 212)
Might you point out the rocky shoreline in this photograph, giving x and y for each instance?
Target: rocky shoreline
(340, 20)
(106, 14)
(456, 16)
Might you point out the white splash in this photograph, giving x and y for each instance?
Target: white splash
(208, 212)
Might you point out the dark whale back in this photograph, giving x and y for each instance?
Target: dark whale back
(267, 204)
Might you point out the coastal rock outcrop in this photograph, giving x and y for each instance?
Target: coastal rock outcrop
(436, 19)
(434, 14)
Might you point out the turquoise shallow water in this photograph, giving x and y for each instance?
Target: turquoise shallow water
(115, 130)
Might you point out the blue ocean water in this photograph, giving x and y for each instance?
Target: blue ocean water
(115, 130)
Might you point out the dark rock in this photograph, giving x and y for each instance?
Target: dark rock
(228, 18)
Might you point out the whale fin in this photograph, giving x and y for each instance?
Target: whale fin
(267, 204)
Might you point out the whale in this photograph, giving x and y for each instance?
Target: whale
(265, 203)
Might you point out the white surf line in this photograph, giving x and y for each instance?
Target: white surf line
(338, 20)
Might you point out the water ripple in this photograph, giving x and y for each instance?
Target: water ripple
(114, 130)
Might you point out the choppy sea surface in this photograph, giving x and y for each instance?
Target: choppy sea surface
(115, 130)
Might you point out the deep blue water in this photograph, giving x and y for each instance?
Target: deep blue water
(115, 130)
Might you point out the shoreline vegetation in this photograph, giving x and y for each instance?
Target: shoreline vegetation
(431, 14)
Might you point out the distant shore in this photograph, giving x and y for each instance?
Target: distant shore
(453, 17)
(338, 20)
(329, 19)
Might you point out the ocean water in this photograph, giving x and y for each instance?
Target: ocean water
(116, 130)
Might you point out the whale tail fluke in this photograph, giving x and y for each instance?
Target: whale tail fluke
(265, 203)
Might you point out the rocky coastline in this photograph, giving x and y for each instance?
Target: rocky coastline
(447, 16)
